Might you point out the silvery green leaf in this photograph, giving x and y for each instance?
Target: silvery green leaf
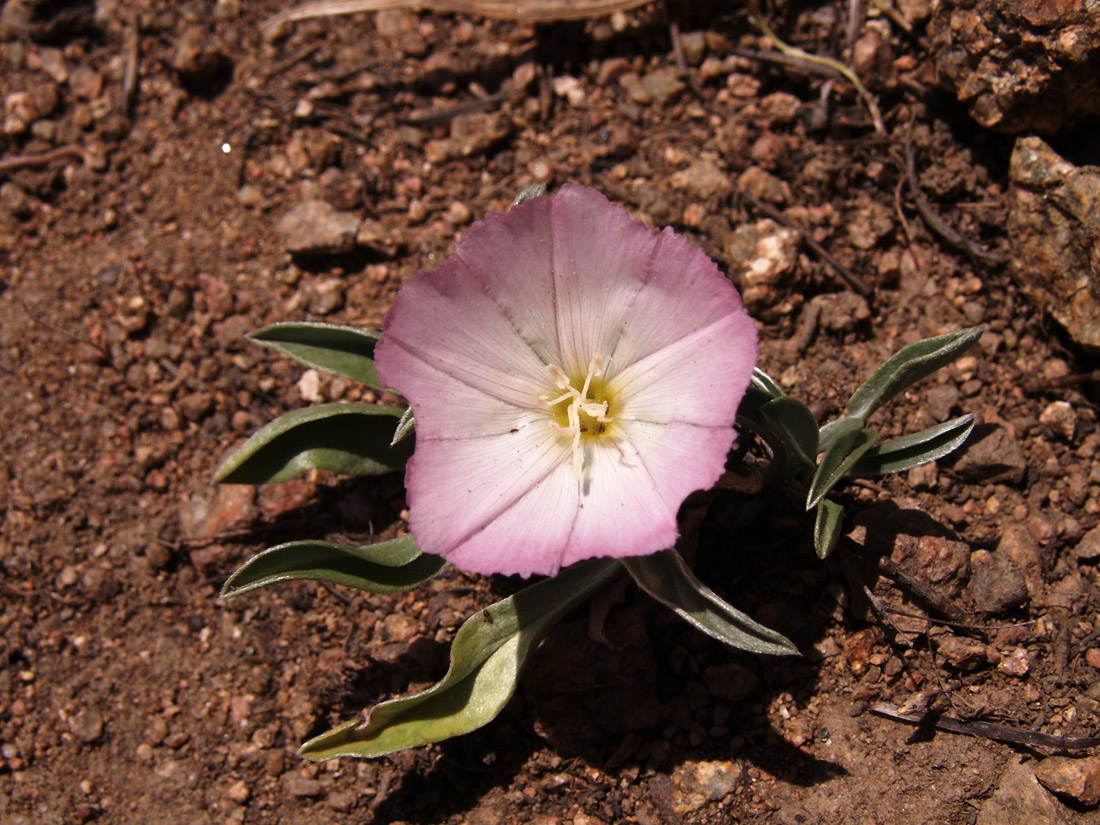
(347, 351)
(665, 577)
(792, 421)
(827, 527)
(405, 427)
(353, 439)
(851, 442)
(385, 567)
(487, 658)
(912, 450)
(907, 366)
(535, 190)
(765, 383)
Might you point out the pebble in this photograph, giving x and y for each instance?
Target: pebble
(297, 785)
(225, 508)
(964, 654)
(661, 85)
(697, 783)
(1061, 418)
(702, 180)
(993, 457)
(1088, 548)
(1020, 800)
(1016, 663)
(87, 726)
(238, 792)
(1018, 544)
(996, 583)
(732, 682)
(1077, 778)
(326, 297)
(315, 227)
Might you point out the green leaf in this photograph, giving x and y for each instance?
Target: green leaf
(912, 450)
(487, 658)
(347, 351)
(827, 527)
(353, 439)
(765, 383)
(665, 577)
(535, 190)
(385, 567)
(851, 442)
(792, 421)
(907, 366)
(405, 427)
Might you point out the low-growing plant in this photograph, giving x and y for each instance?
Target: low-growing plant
(572, 376)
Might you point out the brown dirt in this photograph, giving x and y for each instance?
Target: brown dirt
(130, 693)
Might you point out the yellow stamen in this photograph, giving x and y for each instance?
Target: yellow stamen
(579, 404)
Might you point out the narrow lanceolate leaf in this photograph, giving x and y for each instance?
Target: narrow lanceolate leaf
(346, 351)
(665, 577)
(907, 366)
(487, 658)
(385, 567)
(353, 439)
(827, 527)
(851, 442)
(405, 427)
(765, 383)
(912, 450)
(793, 422)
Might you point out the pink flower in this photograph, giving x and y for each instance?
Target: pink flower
(574, 375)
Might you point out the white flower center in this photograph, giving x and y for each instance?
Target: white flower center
(579, 412)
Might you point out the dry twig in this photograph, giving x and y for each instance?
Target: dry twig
(43, 159)
(937, 224)
(988, 730)
(537, 11)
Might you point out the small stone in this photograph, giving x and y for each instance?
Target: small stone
(1018, 544)
(144, 752)
(964, 654)
(238, 792)
(1061, 418)
(1016, 663)
(195, 406)
(299, 786)
(1088, 548)
(1078, 779)
(327, 297)
(314, 227)
(1020, 800)
(87, 726)
(733, 682)
(250, 195)
(697, 783)
(662, 85)
(1092, 657)
(340, 800)
(993, 457)
(702, 180)
(996, 583)
(309, 386)
(227, 507)
(196, 59)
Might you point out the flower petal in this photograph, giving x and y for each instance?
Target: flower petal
(680, 457)
(700, 378)
(683, 292)
(446, 321)
(601, 264)
(494, 505)
(510, 256)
